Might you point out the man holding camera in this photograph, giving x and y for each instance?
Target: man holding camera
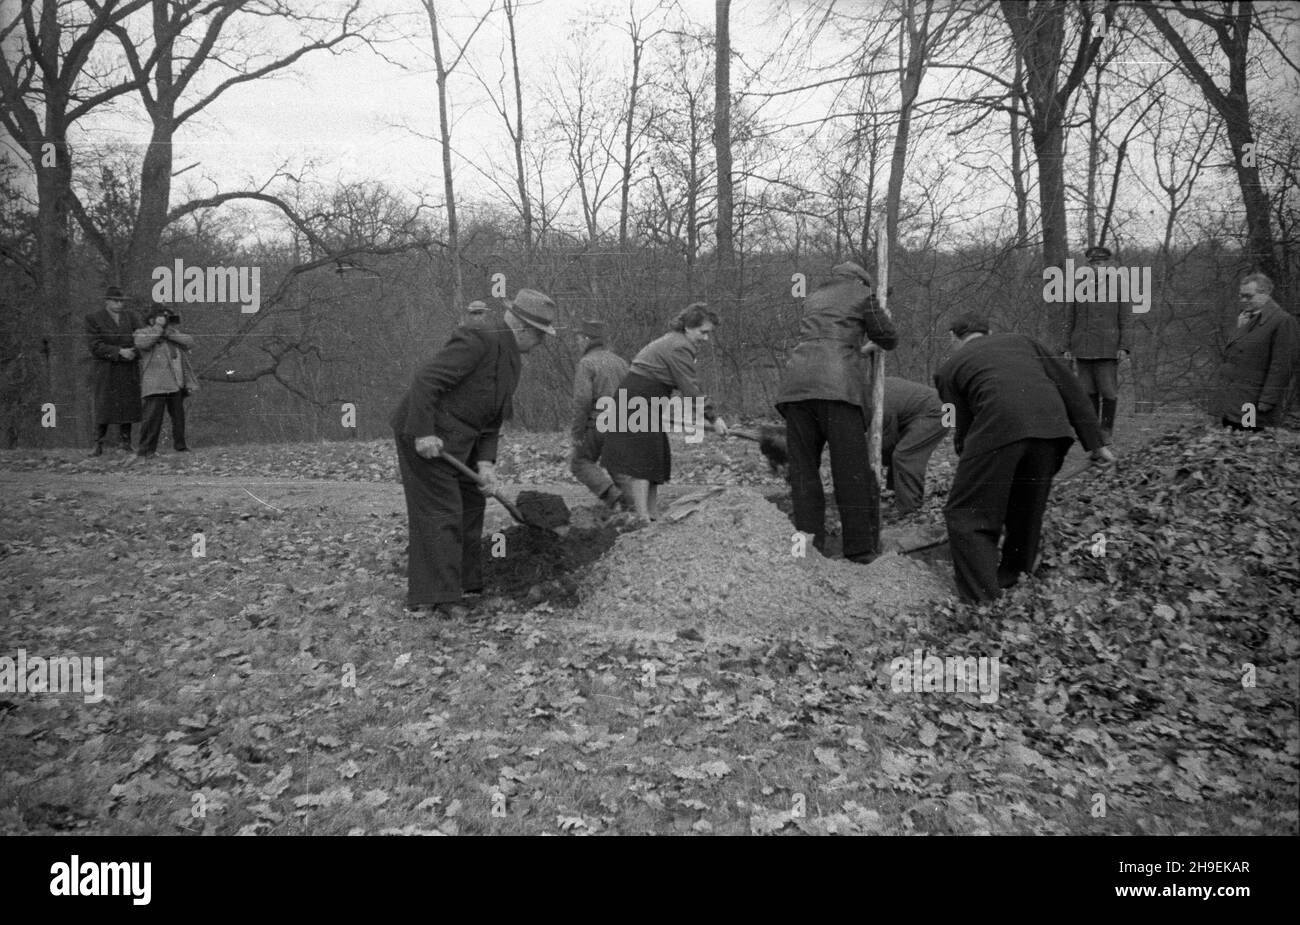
(166, 377)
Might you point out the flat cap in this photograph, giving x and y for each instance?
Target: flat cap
(852, 270)
(969, 323)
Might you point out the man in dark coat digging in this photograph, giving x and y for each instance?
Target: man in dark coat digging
(1016, 405)
(456, 405)
(115, 378)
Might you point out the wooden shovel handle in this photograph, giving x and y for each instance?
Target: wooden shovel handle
(461, 467)
(480, 481)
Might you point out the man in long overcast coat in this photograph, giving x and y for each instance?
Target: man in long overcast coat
(1258, 360)
(115, 378)
(457, 404)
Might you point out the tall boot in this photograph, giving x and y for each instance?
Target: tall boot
(1108, 406)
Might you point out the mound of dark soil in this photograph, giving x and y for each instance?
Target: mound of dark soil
(539, 565)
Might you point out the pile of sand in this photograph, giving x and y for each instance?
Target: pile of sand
(729, 567)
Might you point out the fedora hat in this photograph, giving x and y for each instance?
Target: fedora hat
(477, 307)
(534, 308)
(114, 293)
(1097, 252)
(593, 329)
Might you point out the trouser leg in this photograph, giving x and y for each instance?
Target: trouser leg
(911, 457)
(1106, 375)
(434, 512)
(1108, 407)
(473, 505)
(857, 491)
(1031, 486)
(176, 410)
(975, 513)
(151, 426)
(583, 463)
(804, 442)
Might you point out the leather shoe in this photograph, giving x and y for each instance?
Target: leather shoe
(444, 611)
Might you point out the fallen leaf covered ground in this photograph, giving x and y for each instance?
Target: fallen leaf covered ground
(1147, 679)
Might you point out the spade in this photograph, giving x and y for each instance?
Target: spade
(533, 508)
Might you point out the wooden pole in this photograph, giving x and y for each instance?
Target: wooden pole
(876, 430)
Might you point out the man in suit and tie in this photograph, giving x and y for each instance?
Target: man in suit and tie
(1258, 360)
(1016, 405)
(456, 405)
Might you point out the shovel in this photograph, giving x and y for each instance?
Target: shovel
(534, 508)
(770, 440)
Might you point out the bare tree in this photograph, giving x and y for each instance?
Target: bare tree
(49, 80)
(510, 107)
(1038, 31)
(726, 249)
(166, 71)
(681, 203)
(923, 29)
(633, 128)
(1230, 25)
(586, 117)
(443, 70)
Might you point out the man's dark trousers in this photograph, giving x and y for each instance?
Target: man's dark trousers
(445, 513)
(1007, 487)
(810, 425)
(151, 428)
(909, 458)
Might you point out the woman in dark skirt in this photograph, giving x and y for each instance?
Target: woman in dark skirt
(636, 443)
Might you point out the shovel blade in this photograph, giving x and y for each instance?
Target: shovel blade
(540, 509)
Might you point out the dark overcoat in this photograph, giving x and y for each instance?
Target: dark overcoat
(1097, 330)
(1008, 387)
(1258, 363)
(838, 318)
(114, 381)
(464, 394)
